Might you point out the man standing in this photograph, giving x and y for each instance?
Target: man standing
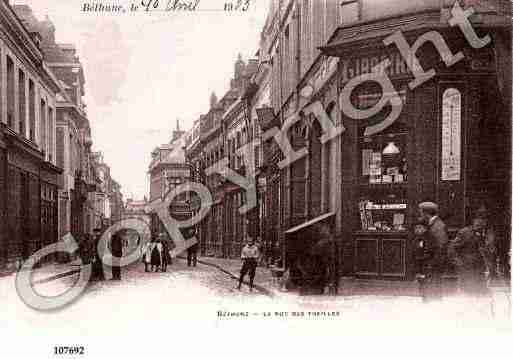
(249, 256)
(166, 256)
(435, 247)
(117, 253)
(98, 256)
(192, 251)
(473, 253)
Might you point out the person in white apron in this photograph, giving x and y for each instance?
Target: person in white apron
(147, 255)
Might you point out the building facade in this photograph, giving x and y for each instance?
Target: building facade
(450, 130)
(225, 130)
(169, 169)
(367, 181)
(29, 172)
(107, 198)
(87, 192)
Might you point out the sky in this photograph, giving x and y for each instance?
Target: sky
(144, 71)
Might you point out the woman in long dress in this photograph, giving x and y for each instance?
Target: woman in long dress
(156, 256)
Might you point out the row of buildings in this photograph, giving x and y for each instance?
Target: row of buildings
(450, 143)
(51, 182)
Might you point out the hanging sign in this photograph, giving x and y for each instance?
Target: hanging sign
(451, 135)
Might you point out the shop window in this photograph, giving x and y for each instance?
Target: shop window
(383, 174)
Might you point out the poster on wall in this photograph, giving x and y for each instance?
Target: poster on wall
(451, 135)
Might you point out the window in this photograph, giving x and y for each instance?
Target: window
(32, 111)
(286, 59)
(22, 102)
(43, 126)
(383, 174)
(349, 11)
(10, 93)
(51, 128)
(257, 156)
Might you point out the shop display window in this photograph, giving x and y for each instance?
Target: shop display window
(383, 176)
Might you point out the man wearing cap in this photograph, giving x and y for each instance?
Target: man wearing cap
(249, 255)
(435, 249)
(473, 253)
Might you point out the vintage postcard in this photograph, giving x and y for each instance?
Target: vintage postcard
(218, 177)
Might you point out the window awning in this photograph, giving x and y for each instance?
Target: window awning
(310, 222)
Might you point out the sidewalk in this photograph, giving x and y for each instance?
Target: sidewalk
(349, 286)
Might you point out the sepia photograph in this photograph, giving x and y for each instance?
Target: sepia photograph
(235, 177)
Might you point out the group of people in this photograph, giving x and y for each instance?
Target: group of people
(92, 253)
(156, 256)
(472, 251)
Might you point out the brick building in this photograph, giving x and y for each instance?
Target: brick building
(116, 202)
(366, 182)
(82, 187)
(29, 172)
(225, 129)
(169, 169)
(135, 207)
(107, 199)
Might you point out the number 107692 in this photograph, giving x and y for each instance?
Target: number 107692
(73, 350)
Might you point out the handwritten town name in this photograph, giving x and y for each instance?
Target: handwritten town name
(162, 6)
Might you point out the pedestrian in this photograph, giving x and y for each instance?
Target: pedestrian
(473, 253)
(435, 247)
(249, 256)
(166, 256)
(147, 254)
(156, 256)
(98, 255)
(192, 255)
(117, 253)
(329, 250)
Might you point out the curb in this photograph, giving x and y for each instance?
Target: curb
(47, 279)
(57, 276)
(260, 288)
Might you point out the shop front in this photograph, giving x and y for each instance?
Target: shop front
(450, 144)
(49, 204)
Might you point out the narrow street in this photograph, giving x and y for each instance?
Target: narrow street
(207, 295)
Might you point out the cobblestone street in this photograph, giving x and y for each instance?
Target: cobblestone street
(207, 295)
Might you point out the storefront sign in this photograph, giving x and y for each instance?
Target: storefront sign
(451, 135)
(353, 67)
(178, 173)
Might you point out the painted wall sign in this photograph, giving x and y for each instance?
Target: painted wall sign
(451, 135)
(357, 66)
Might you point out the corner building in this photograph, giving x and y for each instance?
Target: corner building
(451, 143)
